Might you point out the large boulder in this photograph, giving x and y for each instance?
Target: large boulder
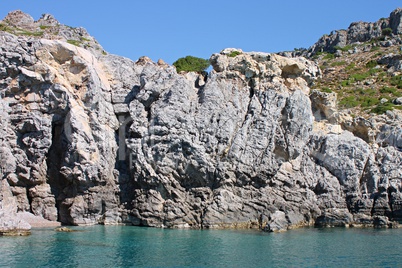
(10, 224)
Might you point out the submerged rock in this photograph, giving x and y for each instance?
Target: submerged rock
(64, 230)
(11, 227)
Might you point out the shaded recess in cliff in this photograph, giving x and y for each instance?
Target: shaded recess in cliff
(124, 158)
(55, 161)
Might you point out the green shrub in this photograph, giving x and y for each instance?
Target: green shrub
(359, 77)
(364, 98)
(367, 92)
(345, 83)
(396, 81)
(329, 56)
(234, 54)
(345, 48)
(326, 90)
(349, 102)
(74, 42)
(371, 64)
(350, 67)
(382, 76)
(373, 71)
(28, 33)
(371, 91)
(191, 64)
(382, 108)
(18, 31)
(386, 32)
(5, 28)
(369, 101)
(374, 48)
(390, 90)
(338, 63)
(83, 39)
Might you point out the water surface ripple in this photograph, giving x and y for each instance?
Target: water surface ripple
(126, 246)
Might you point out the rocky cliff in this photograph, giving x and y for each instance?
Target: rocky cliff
(92, 138)
(360, 32)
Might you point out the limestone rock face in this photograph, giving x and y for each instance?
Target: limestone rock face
(324, 105)
(19, 19)
(47, 27)
(92, 138)
(393, 62)
(205, 156)
(10, 223)
(395, 21)
(59, 144)
(361, 32)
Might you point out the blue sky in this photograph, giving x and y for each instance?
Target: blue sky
(177, 28)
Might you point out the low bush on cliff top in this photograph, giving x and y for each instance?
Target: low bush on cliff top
(234, 54)
(191, 64)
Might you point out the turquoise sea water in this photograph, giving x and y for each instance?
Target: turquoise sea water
(127, 246)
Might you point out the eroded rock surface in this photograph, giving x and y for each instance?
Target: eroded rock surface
(10, 223)
(363, 32)
(89, 138)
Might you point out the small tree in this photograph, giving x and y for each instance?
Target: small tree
(191, 64)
